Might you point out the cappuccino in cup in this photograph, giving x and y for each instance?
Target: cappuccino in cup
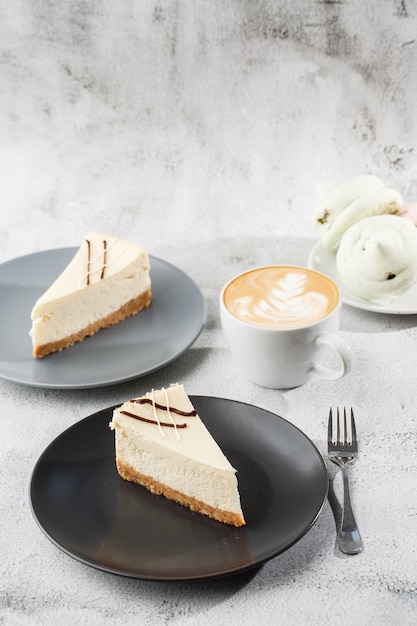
(278, 319)
(281, 297)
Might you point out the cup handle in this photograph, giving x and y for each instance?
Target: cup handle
(341, 348)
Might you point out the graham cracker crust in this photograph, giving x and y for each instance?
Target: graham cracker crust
(130, 308)
(226, 517)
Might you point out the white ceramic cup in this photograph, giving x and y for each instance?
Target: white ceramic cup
(280, 321)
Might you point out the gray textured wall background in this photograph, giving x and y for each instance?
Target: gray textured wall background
(138, 117)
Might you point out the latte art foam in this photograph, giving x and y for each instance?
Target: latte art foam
(281, 297)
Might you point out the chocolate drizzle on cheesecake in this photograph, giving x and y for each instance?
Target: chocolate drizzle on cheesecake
(88, 260)
(103, 265)
(149, 421)
(164, 408)
(103, 269)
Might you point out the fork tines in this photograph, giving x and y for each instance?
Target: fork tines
(345, 434)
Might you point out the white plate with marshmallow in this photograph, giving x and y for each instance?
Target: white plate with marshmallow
(323, 260)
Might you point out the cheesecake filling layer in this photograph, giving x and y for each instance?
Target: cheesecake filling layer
(106, 281)
(173, 454)
(53, 320)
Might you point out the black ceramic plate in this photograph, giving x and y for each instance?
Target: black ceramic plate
(137, 346)
(88, 511)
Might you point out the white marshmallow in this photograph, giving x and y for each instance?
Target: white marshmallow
(351, 201)
(377, 256)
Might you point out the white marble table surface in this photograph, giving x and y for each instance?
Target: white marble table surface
(199, 129)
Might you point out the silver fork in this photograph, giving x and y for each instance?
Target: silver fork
(342, 449)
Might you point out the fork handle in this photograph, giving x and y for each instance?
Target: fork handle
(349, 538)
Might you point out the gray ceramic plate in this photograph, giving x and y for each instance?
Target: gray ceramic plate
(135, 347)
(85, 508)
